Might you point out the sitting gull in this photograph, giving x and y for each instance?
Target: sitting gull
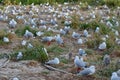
(54, 61)
(115, 76)
(102, 46)
(87, 71)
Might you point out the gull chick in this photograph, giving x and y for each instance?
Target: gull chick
(106, 60)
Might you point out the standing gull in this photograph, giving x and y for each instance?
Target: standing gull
(79, 62)
(59, 40)
(12, 23)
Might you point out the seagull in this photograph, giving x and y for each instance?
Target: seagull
(1, 17)
(87, 71)
(82, 18)
(53, 21)
(23, 43)
(12, 23)
(66, 29)
(82, 52)
(59, 40)
(116, 33)
(28, 34)
(117, 41)
(19, 56)
(85, 33)
(80, 41)
(115, 76)
(67, 23)
(54, 61)
(48, 39)
(109, 24)
(102, 46)
(75, 35)
(39, 33)
(118, 72)
(106, 60)
(62, 32)
(79, 62)
(5, 39)
(15, 78)
(97, 30)
(29, 45)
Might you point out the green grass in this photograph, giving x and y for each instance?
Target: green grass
(55, 49)
(2, 35)
(64, 60)
(107, 71)
(36, 53)
(85, 3)
(20, 31)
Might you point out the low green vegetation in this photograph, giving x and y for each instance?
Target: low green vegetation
(20, 31)
(36, 53)
(110, 3)
(2, 35)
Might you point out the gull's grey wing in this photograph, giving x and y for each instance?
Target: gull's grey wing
(84, 72)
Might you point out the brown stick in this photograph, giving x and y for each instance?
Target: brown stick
(55, 69)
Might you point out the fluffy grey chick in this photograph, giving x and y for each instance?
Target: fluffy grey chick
(106, 60)
(70, 55)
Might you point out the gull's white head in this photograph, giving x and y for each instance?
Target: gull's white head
(57, 60)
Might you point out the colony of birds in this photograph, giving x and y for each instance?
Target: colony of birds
(57, 19)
